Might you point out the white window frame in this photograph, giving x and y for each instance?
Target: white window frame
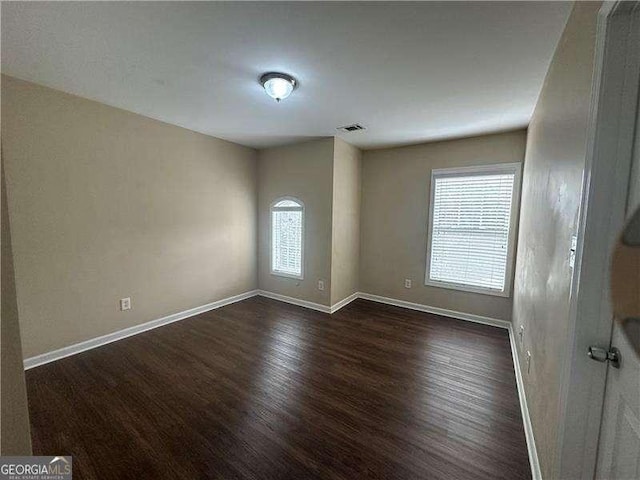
(302, 236)
(500, 168)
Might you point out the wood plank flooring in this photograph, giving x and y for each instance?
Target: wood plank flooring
(265, 390)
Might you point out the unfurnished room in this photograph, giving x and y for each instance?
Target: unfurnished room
(320, 240)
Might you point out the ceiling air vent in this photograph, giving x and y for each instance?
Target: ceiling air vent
(351, 128)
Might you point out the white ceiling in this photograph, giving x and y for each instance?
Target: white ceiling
(409, 72)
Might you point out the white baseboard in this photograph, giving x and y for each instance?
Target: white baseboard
(128, 332)
(295, 301)
(470, 317)
(388, 301)
(345, 301)
(313, 306)
(536, 473)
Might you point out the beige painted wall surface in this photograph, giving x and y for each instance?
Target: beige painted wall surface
(304, 171)
(395, 215)
(15, 436)
(345, 249)
(552, 181)
(106, 204)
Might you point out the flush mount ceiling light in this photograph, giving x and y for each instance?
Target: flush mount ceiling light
(278, 85)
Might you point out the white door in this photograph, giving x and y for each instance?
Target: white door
(619, 445)
(599, 428)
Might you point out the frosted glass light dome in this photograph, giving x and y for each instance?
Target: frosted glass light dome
(278, 85)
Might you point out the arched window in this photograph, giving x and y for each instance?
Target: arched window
(287, 237)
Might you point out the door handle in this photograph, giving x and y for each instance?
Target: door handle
(600, 354)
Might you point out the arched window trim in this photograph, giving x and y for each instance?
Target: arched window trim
(275, 208)
(274, 204)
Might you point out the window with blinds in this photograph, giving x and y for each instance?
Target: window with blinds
(471, 230)
(287, 220)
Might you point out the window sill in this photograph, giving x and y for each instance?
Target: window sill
(287, 275)
(467, 288)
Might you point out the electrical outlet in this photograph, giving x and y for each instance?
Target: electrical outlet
(320, 284)
(521, 334)
(572, 251)
(125, 304)
(407, 283)
(528, 362)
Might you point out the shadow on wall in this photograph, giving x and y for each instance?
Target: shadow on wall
(15, 435)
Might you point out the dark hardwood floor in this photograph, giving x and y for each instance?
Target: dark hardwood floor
(262, 389)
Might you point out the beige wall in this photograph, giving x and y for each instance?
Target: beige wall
(15, 436)
(551, 192)
(304, 171)
(395, 216)
(345, 248)
(106, 204)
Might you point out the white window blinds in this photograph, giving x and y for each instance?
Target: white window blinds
(471, 225)
(287, 219)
